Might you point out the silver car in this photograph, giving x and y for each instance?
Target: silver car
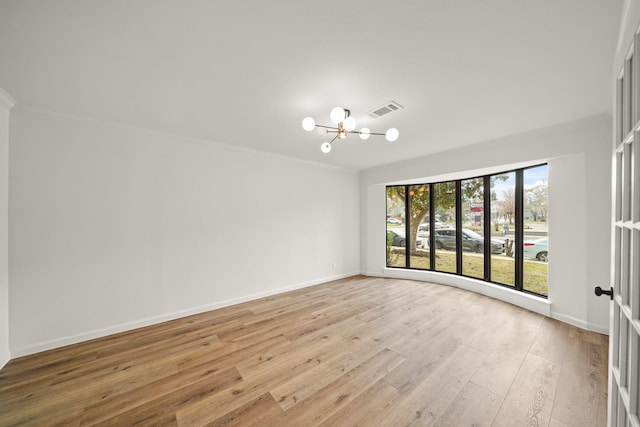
(537, 249)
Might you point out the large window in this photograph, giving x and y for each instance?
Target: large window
(396, 237)
(503, 227)
(420, 201)
(473, 228)
(445, 229)
(536, 229)
(493, 228)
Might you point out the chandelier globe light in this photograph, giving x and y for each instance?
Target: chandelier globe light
(345, 124)
(392, 134)
(337, 115)
(308, 124)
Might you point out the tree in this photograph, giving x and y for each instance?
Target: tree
(507, 206)
(419, 202)
(536, 199)
(395, 201)
(496, 208)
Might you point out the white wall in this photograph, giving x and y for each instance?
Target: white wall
(114, 227)
(6, 103)
(579, 158)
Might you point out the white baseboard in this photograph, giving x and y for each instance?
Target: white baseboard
(581, 323)
(520, 299)
(4, 361)
(98, 333)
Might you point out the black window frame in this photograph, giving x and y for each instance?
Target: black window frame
(519, 228)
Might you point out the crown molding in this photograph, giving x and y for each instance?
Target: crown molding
(6, 99)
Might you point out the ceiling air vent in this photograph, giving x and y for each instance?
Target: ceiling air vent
(385, 109)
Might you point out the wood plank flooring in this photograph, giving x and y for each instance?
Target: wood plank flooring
(354, 352)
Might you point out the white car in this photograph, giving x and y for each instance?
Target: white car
(537, 249)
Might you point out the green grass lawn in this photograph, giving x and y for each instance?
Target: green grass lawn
(502, 268)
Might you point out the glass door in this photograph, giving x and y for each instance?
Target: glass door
(624, 337)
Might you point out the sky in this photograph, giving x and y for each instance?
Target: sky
(532, 176)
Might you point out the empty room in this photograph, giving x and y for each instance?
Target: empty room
(295, 213)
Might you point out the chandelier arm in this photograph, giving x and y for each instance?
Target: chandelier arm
(370, 133)
(353, 131)
(359, 132)
(327, 127)
(334, 138)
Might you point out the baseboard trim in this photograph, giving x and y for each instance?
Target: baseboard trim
(581, 323)
(4, 361)
(537, 305)
(123, 327)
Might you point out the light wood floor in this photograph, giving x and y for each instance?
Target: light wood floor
(360, 351)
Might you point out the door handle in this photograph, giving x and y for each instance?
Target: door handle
(599, 291)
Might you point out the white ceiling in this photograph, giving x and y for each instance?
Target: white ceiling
(247, 72)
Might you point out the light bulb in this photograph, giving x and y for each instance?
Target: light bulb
(365, 133)
(308, 124)
(392, 134)
(349, 123)
(337, 115)
(325, 147)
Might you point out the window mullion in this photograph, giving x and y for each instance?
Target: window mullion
(487, 227)
(458, 209)
(407, 231)
(519, 234)
(432, 226)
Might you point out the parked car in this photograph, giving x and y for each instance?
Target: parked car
(398, 238)
(537, 249)
(471, 241)
(393, 221)
(425, 226)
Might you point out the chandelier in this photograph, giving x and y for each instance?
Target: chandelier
(345, 125)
